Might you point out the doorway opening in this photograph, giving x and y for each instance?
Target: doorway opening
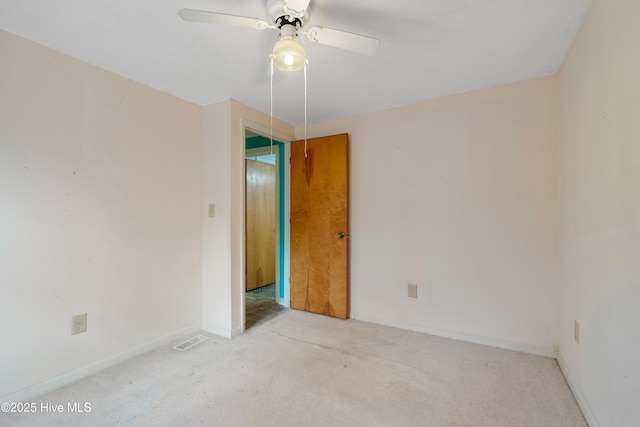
(266, 257)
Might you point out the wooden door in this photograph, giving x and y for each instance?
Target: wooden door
(260, 214)
(319, 226)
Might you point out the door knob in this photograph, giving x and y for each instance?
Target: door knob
(341, 235)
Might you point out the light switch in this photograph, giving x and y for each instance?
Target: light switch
(212, 210)
(412, 290)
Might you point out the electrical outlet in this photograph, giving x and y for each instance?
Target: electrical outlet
(412, 290)
(79, 323)
(576, 331)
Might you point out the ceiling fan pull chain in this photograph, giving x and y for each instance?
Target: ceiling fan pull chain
(271, 104)
(305, 111)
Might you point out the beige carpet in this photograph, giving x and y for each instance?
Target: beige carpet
(300, 369)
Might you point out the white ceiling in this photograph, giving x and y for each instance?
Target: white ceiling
(428, 48)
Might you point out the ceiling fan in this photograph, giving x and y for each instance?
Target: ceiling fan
(289, 17)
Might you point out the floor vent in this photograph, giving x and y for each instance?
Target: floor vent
(191, 342)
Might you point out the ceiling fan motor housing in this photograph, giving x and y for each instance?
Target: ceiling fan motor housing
(287, 27)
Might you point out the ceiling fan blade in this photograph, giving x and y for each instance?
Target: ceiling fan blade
(222, 18)
(343, 40)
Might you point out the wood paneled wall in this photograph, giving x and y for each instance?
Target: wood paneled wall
(261, 224)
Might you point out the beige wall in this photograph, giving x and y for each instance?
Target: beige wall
(100, 196)
(458, 196)
(216, 243)
(599, 135)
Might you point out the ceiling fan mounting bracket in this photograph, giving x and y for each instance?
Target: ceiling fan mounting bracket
(276, 11)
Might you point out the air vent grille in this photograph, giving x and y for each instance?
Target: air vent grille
(191, 342)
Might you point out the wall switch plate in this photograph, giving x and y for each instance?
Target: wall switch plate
(79, 323)
(576, 331)
(413, 290)
(212, 210)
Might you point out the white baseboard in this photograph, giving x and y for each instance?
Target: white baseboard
(462, 337)
(582, 402)
(237, 332)
(222, 332)
(73, 376)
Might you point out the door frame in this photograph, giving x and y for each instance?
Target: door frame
(282, 209)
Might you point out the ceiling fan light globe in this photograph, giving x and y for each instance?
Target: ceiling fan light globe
(289, 55)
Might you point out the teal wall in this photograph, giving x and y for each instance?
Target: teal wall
(257, 142)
